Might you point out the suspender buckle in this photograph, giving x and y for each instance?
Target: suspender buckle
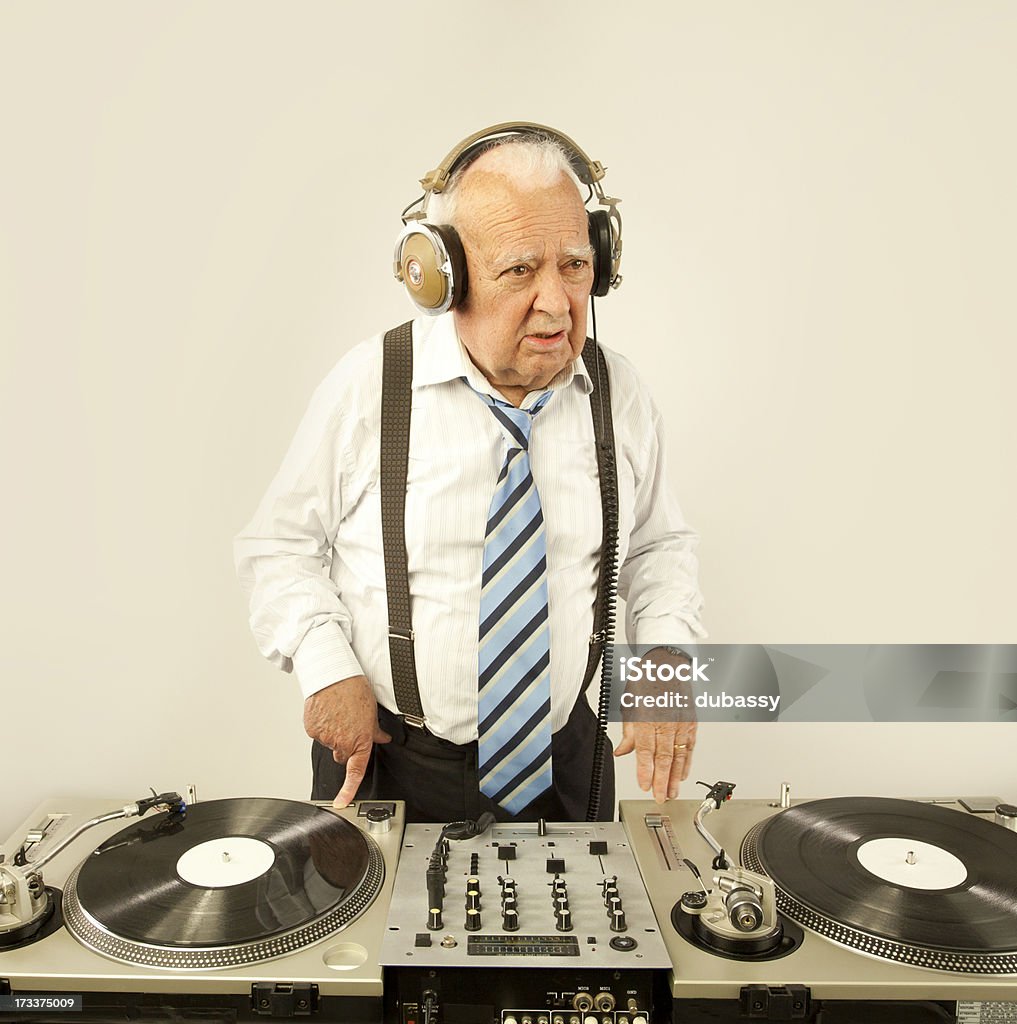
(417, 723)
(395, 635)
(599, 637)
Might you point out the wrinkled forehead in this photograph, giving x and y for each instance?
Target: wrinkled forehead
(497, 211)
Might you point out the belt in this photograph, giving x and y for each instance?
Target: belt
(423, 740)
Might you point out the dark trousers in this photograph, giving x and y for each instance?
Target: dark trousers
(438, 780)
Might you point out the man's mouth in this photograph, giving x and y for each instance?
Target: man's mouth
(546, 337)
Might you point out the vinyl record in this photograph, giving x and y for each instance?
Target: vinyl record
(900, 879)
(250, 878)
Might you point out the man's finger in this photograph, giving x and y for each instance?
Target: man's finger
(645, 750)
(627, 744)
(663, 762)
(356, 767)
(685, 743)
(679, 771)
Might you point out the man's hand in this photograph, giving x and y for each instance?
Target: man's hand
(344, 717)
(663, 754)
(663, 746)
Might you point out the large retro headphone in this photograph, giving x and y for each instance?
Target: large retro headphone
(429, 258)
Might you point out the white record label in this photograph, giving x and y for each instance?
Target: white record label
(912, 863)
(219, 863)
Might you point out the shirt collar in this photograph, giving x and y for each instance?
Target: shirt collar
(439, 356)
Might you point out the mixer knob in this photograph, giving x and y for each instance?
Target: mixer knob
(510, 921)
(618, 921)
(434, 919)
(564, 920)
(473, 920)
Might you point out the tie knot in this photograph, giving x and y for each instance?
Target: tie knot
(516, 423)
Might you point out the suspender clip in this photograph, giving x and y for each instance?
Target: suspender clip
(394, 635)
(599, 637)
(417, 723)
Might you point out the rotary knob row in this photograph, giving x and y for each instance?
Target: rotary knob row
(509, 904)
(613, 903)
(560, 905)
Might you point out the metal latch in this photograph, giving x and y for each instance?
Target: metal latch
(284, 999)
(777, 1002)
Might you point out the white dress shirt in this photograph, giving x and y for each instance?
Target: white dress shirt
(311, 560)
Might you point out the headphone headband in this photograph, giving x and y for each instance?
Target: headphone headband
(588, 171)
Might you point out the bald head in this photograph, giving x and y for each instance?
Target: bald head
(527, 163)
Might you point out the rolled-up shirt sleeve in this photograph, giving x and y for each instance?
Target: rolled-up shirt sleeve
(283, 556)
(659, 577)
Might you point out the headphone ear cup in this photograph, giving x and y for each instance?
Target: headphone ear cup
(603, 250)
(457, 263)
(431, 263)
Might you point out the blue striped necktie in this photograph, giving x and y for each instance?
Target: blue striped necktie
(514, 701)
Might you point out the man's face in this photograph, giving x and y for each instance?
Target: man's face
(530, 272)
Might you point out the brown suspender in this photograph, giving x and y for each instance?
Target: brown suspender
(396, 392)
(396, 398)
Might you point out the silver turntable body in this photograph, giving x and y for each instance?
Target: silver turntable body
(664, 837)
(343, 963)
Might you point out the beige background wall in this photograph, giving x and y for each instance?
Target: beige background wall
(197, 208)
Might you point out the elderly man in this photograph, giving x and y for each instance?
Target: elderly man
(503, 529)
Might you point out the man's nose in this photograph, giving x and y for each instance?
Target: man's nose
(551, 297)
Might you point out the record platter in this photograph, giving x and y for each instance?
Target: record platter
(249, 906)
(850, 904)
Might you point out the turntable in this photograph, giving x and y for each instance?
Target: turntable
(844, 909)
(248, 907)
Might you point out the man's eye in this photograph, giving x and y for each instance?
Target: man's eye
(520, 270)
(577, 264)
